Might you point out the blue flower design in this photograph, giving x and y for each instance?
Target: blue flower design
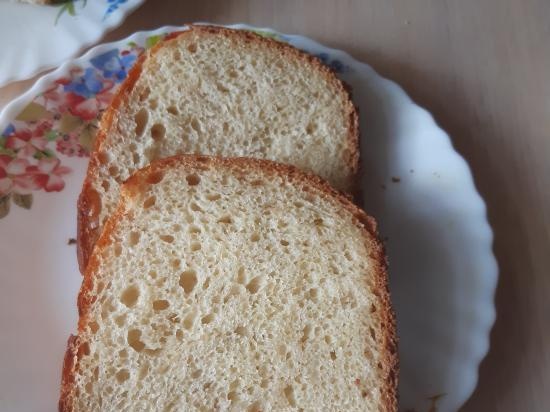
(87, 85)
(113, 5)
(113, 65)
(9, 130)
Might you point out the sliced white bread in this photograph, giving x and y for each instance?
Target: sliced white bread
(233, 285)
(213, 90)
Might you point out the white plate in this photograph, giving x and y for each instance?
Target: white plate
(35, 38)
(442, 270)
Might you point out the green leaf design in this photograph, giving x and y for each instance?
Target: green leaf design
(86, 137)
(66, 7)
(24, 201)
(51, 135)
(41, 154)
(33, 112)
(152, 40)
(4, 206)
(9, 152)
(49, 153)
(68, 123)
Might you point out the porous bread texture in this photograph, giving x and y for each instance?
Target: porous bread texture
(233, 285)
(212, 90)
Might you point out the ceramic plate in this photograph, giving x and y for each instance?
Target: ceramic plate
(35, 38)
(433, 221)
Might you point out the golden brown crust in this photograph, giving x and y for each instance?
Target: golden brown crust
(308, 182)
(68, 374)
(88, 231)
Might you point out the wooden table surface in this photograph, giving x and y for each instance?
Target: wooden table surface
(482, 68)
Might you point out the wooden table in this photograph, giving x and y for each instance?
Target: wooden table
(482, 68)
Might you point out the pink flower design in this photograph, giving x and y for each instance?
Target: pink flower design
(27, 142)
(70, 146)
(15, 176)
(48, 173)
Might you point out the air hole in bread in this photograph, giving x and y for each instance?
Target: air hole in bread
(136, 158)
(144, 94)
(195, 207)
(196, 374)
(233, 396)
(120, 320)
(194, 229)
(333, 355)
(208, 319)
(134, 341)
(255, 407)
(83, 349)
(150, 201)
(241, 276)
(222, 88)
(130, 296)
(255, 237)
(94, 327)
(192, 48)
(188, 280)
(105, 185)
(241, 331)
(306, 333)
(172, 110)
(255, 284)
(195, 246)
(153, 104)
(118, 250)
(189, 320)
(196, 125)
(122, 375)
(133, 238)
(372, 333)
(284, 242)
(225, 219)
(175, 263)
(289, 395)
(167, 238)
(153, 274)
(113, 171)
(313, 293)
(158, 131)
(103, 157)
(155, 177)
(193, 179)
(141, 118)
(213, 196)
(160, 304)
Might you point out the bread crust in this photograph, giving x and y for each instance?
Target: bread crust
(88, 230)
(309, 183)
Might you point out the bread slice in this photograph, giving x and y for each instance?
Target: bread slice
(212, 90)
(233, 285)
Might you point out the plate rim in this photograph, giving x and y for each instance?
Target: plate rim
(115, 20)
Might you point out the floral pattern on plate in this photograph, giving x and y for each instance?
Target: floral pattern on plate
(62, 121)
(69, 8)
